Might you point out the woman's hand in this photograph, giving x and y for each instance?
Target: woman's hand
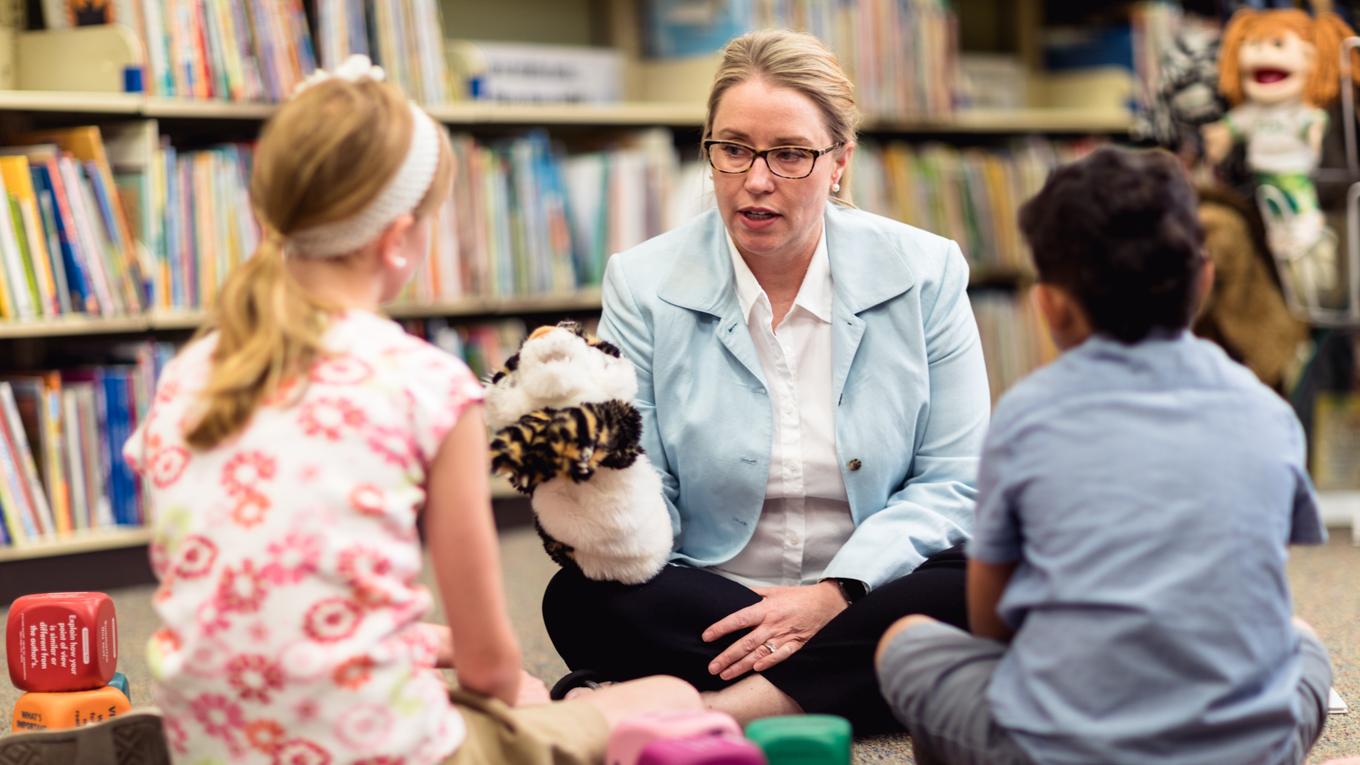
(780, 624)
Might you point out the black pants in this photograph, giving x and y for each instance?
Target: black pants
(630, 631)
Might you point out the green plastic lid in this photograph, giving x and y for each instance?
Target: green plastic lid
(802, 739)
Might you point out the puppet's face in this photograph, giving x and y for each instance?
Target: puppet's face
(1275, 68)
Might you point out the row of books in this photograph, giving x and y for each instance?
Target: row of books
(902, 55)
(61, 441)
(66, 244)
(259, 50)
(972, 194)
(238, 50)
(199, 224)
(1014, 340)
(526, 218)
(405, 37)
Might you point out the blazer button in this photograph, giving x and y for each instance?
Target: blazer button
(854, 464)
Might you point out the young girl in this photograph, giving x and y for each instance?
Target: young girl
(287, 455)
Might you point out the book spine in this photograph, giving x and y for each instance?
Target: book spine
(47, 215)
(83, 296)
(58, 484)
(71, 455)
(29, 484)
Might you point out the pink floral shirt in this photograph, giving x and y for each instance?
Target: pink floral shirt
(288, 559)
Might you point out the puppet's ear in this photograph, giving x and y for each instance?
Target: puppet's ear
(1229, 72)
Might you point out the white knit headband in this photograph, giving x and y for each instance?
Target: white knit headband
(398, 197)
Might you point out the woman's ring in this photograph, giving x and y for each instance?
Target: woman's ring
(769, 646)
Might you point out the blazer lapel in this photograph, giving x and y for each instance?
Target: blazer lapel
(703, 282)
(867, 268)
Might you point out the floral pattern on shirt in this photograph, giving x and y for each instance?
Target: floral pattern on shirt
(288, 558)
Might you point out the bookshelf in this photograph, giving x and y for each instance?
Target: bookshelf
(581, 125)
(584, 301)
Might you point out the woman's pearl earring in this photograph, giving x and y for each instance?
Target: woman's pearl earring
(835, 188)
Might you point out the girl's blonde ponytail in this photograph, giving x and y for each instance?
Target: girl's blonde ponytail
(266, 326)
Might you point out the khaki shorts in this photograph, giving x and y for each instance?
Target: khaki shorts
(561, 733)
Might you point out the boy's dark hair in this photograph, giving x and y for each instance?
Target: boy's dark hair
(1119, 230)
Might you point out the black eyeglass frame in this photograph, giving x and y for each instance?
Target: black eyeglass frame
(758, 154)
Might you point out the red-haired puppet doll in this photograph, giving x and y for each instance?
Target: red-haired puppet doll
(1279, 70)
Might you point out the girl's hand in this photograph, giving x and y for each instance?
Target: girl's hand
(779, 625)
(532, 691)
(441, 636)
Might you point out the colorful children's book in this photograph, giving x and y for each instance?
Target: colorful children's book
(43, 160)
(86, 145)
(25, 469)
(28, 225)
(22, 288)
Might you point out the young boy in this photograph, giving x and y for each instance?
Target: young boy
(1126, 588)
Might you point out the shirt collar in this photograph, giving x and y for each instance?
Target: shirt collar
(814, 296)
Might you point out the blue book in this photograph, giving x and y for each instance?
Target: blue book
(684, 28)
(115, 383)
(71, 288)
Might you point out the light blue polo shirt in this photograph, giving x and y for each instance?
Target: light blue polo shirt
(1148, 493)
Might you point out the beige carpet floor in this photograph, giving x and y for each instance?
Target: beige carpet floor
(1325, 581)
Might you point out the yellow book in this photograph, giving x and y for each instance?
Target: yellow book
(6, 308)
(19, 184)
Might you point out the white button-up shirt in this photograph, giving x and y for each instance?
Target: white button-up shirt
(806, 516)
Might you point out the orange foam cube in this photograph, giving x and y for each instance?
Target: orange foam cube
(57, 711)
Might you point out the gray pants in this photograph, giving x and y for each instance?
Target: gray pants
(935, 678)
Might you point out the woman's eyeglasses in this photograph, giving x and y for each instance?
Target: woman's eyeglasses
(791, 162)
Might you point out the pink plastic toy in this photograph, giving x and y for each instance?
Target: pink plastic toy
(634, 734)
(704, 750)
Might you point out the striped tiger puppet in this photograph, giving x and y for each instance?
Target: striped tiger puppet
(565, 433)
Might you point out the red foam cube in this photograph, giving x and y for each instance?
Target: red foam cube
(62, 641)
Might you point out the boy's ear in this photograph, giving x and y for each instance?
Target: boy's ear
(1049, 300)
(1066, 319)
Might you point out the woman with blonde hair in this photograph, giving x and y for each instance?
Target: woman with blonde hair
(813, 394)
(288, 453)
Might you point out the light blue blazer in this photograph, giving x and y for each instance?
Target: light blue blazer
(908, 378)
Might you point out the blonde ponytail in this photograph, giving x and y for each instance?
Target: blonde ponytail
(323, 157)
(268, 328)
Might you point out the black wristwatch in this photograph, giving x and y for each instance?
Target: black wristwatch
(851, 589)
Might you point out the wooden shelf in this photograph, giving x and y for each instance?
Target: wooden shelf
(72, 326)
(634, 114)
(185, 108)
(585, 300)
(76, 326)
(68, 102)
(982, 121)
(81, 542)
(622, 115)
